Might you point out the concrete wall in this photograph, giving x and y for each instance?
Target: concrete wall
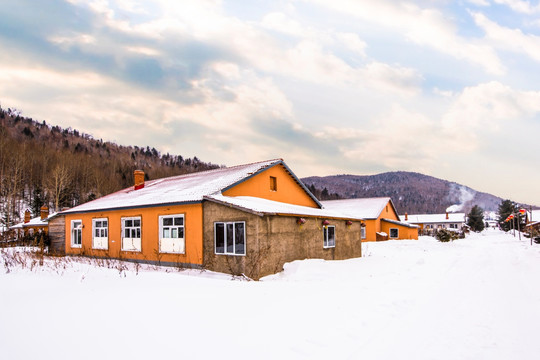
(271, 241)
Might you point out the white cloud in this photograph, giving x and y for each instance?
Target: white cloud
(425, 27)
(282, 23)
(479, 2)
(520, 6)
(484, 109)
(509, 39)
(353, 42)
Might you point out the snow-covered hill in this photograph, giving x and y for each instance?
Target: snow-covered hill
(475, 298)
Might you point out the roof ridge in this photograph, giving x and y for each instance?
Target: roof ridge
(212, 170)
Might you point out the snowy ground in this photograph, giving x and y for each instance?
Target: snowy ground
(475, 298)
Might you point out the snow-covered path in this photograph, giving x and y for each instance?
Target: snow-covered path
(476, 298)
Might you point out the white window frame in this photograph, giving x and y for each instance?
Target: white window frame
(134, 242)
(225, 224)
(100, 242)
(172, 245)
(326, 243)
(390, 233)
(79, 231)
(363, 232)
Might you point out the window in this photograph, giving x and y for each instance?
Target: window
(100, 231)
(273, 183)
(394, 233)
(131, 234)
(363, 232)
(230, 238)
(76, 233)
(453, 226)
(171, 234)
(329, 234)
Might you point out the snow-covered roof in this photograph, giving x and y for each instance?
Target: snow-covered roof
(365, 208)
(188, 188)
(34, 222)
(434, 218)
(401, 223)
(261, 206)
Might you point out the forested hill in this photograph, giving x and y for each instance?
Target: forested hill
(411, 192)
(44, 164)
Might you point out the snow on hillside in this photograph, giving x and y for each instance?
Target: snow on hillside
(475, 298)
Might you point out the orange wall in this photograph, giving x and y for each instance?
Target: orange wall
(404, 232)
(374, 226)
(193, 230)
(371, 230)
(288, 190)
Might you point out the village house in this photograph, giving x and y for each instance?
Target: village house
(430, 223)
(248, 219)
(31, 226)
(381, 218)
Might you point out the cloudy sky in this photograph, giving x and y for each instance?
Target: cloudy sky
(446, 88)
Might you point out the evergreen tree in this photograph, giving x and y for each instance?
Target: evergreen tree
(476, 218)
(37, 201)
(506, 208)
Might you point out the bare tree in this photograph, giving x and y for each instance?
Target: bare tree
(58, 184)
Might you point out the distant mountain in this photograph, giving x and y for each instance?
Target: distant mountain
(411, 192)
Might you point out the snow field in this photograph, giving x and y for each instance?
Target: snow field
(474, 298)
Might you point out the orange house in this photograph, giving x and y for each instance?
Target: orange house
(247, 219)
(381, 218)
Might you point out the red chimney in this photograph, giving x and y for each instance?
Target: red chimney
(138, 175)
(44, 212)
(406, 216)
(27, 216)
(447, 215)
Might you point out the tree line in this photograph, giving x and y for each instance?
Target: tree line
(42, 164)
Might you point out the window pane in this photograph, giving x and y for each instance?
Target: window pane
(104, 223)
(331, 236)
(230, 239)
(220, 238)
(136, 222)
(166, 233)
(138, 233)
(174, 233)
(106, 231)
(98, 223)
(239, 238)
(179, 221)
(325, 236)
(129, 223)
(181, 233)
(96, 233)
(126, 233)
(167, 221)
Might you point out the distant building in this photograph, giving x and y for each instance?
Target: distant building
(381, 218)
(31, 226)
(429, 223)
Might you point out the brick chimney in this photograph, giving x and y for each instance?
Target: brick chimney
(406, 216)
(27, 216)
(138, 175)
(447, 215)
(44, 212)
